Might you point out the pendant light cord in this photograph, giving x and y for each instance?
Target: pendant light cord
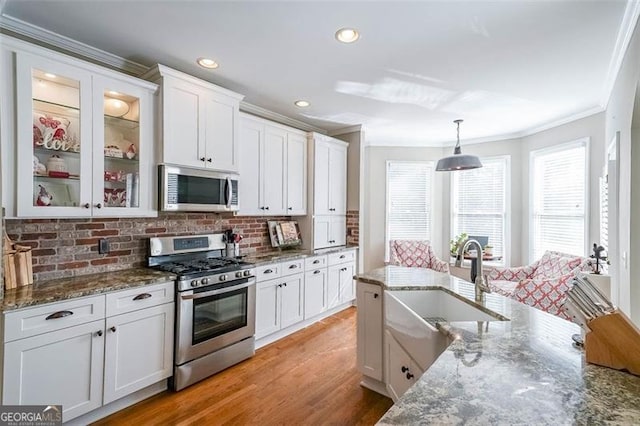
(457, 149)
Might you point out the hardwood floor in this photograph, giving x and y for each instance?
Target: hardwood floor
(308, 378)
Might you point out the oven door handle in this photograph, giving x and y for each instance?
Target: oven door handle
(214, 292)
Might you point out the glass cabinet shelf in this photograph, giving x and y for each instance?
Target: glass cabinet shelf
(55, 108)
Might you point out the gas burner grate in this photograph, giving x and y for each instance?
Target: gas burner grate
(198, 265)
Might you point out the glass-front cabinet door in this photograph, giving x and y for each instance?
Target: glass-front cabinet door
(54, 138)
(84, 141)
(121, 155)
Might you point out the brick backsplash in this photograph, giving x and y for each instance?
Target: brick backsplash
(353, 233)
(69, 247)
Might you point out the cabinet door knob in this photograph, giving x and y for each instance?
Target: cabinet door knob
(342, 256)
(285, 284)
(317, 272)
(409, 376)
(86, 205)
(293, 266)
(99, 333)
(209, 160)
(261, 208)
(99, 205)
(315, 262)
(266, 208)
(375, 295)
(290, 208)
(279, 285)
(268, 271)
(113, 329)
(202, 159)
(404, 369)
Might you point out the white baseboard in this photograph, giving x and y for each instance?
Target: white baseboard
(120, 404)
(263, 341)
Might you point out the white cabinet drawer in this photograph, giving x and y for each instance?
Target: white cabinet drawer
(292, 267)
(51, 317)
(342, 257)
(315, 262)
(141, 297)
(268, 272)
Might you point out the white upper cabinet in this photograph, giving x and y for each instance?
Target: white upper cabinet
(199, 121)
(82, 144)
(273, 169)
(330, 176)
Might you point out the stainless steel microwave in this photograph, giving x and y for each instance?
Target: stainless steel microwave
(196, 190)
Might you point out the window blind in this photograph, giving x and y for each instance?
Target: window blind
(408, 201)
(604, 211)
(559, 200)
(479, 204)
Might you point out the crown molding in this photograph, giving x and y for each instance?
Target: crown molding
(627, 26)
(67, 44)
(279, 118)
(345, 130)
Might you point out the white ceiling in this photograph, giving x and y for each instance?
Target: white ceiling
(506, 67)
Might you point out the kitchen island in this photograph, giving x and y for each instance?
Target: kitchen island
(522, 371)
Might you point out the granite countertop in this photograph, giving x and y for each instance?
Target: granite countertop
(274, 256)
(85, 285)
(522, 371)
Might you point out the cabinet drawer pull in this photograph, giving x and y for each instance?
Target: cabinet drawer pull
(375, 295)
(409, 376)
(59, 314)
(404, 369)
(142, 296)
(266, 208)
(315, 262)
(86, 205)
(268, 271)
(317, 272)
(290, 208)
(99, 333)
(202, 159)
(209, 160)
(293, 266)
(342, 256)
(113, 329)
(99, 205)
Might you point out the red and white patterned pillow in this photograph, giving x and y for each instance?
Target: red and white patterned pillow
(415, 254)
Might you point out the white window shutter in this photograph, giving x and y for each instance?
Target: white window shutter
(479, 202)
(408, 215)
(559, 200)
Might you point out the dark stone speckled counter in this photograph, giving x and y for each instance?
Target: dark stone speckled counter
(276, 256)
(522, 371)
(85, 285)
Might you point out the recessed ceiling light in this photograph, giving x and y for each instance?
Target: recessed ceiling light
(302, 104)
(207, 63)
(347, 35)
(49, 75)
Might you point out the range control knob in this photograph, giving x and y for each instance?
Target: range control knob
(194, 283)
(223, 278)
(239, 274)
(204, 281)
(247, 273)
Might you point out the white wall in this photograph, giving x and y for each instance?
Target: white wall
(592, 127)
(618, 118)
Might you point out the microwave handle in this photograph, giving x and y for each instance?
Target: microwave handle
(229, 193)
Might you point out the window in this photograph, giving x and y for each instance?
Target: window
(408, 201)
(479, 202)
(559, 199)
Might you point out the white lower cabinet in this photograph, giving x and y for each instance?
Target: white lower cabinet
(402, 371)
(138, 350)
(81, 362)
(370, 327)
(340, 288)
(63, 367)
(279, 304)
(315, 292)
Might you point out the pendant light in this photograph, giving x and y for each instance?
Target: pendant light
(458, 161)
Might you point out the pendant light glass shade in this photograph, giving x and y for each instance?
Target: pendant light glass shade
(458, 161)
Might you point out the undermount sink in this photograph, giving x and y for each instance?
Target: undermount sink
(410, 314)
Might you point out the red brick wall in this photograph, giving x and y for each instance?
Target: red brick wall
(69, 247)
(353, 233)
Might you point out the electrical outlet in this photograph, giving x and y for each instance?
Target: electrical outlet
(103, 246)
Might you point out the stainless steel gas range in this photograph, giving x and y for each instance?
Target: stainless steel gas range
(215, 305)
